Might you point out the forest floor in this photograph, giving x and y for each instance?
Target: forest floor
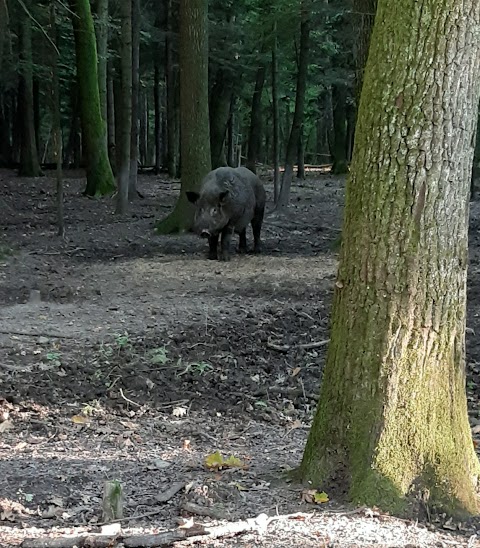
(130, 356)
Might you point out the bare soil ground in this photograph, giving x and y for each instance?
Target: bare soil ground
(129, 356)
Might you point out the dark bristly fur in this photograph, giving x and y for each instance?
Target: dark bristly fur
(229, 199)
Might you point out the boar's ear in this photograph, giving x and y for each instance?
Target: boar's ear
(193, 196)
(223, 196)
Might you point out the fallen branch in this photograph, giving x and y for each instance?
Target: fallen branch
(306, 346)
(191, 535)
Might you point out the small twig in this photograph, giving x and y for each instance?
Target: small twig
(127, 399)
(23, 334)
(306, 346)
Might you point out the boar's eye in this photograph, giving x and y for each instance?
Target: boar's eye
(213, 211)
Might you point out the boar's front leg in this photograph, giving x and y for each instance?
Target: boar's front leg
(242, 246)
(225, 244)
(213, 245)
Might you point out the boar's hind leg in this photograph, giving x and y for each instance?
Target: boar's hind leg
(213, 245)
(225, 245)
(242, 246)
(257, 228)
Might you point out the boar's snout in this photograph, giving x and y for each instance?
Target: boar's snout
(204, 233)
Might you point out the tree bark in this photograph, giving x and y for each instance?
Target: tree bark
(99, 172)
(284, 196)
(392, 417)
(255, 132)
(5, 143)
(125, 104)
(135, 17)
(195, 141)
(29, 164)
(301, 156)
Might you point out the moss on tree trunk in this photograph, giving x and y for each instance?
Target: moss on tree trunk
(392, 417)
(195, 134)
(99, 172)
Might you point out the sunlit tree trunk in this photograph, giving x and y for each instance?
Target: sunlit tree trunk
(195, 134)
(392, 418)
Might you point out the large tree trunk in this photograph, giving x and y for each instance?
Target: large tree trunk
(255, 132)
(99, 173)
(220, 101)
(392, 417)
(125, 106)
(101, 30)
(132, 188)
(29, 164)
(195, 141)
(292, 146)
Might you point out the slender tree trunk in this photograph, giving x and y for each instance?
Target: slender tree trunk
(57, 124)
(220, 101)
(275, 117)
(132, 189)
(143, 135)
(5, 144)
(172, 95)
(99, 173)
(301, 156)
(231, 134)
(157, 95)
(125, 131)
(29, 164)
(292, 146)
(36, 113)
(101, 30)
(111, 116)
(392, 417)
(3, 28)
(195, 142)
(255, 132)
(339, 152)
